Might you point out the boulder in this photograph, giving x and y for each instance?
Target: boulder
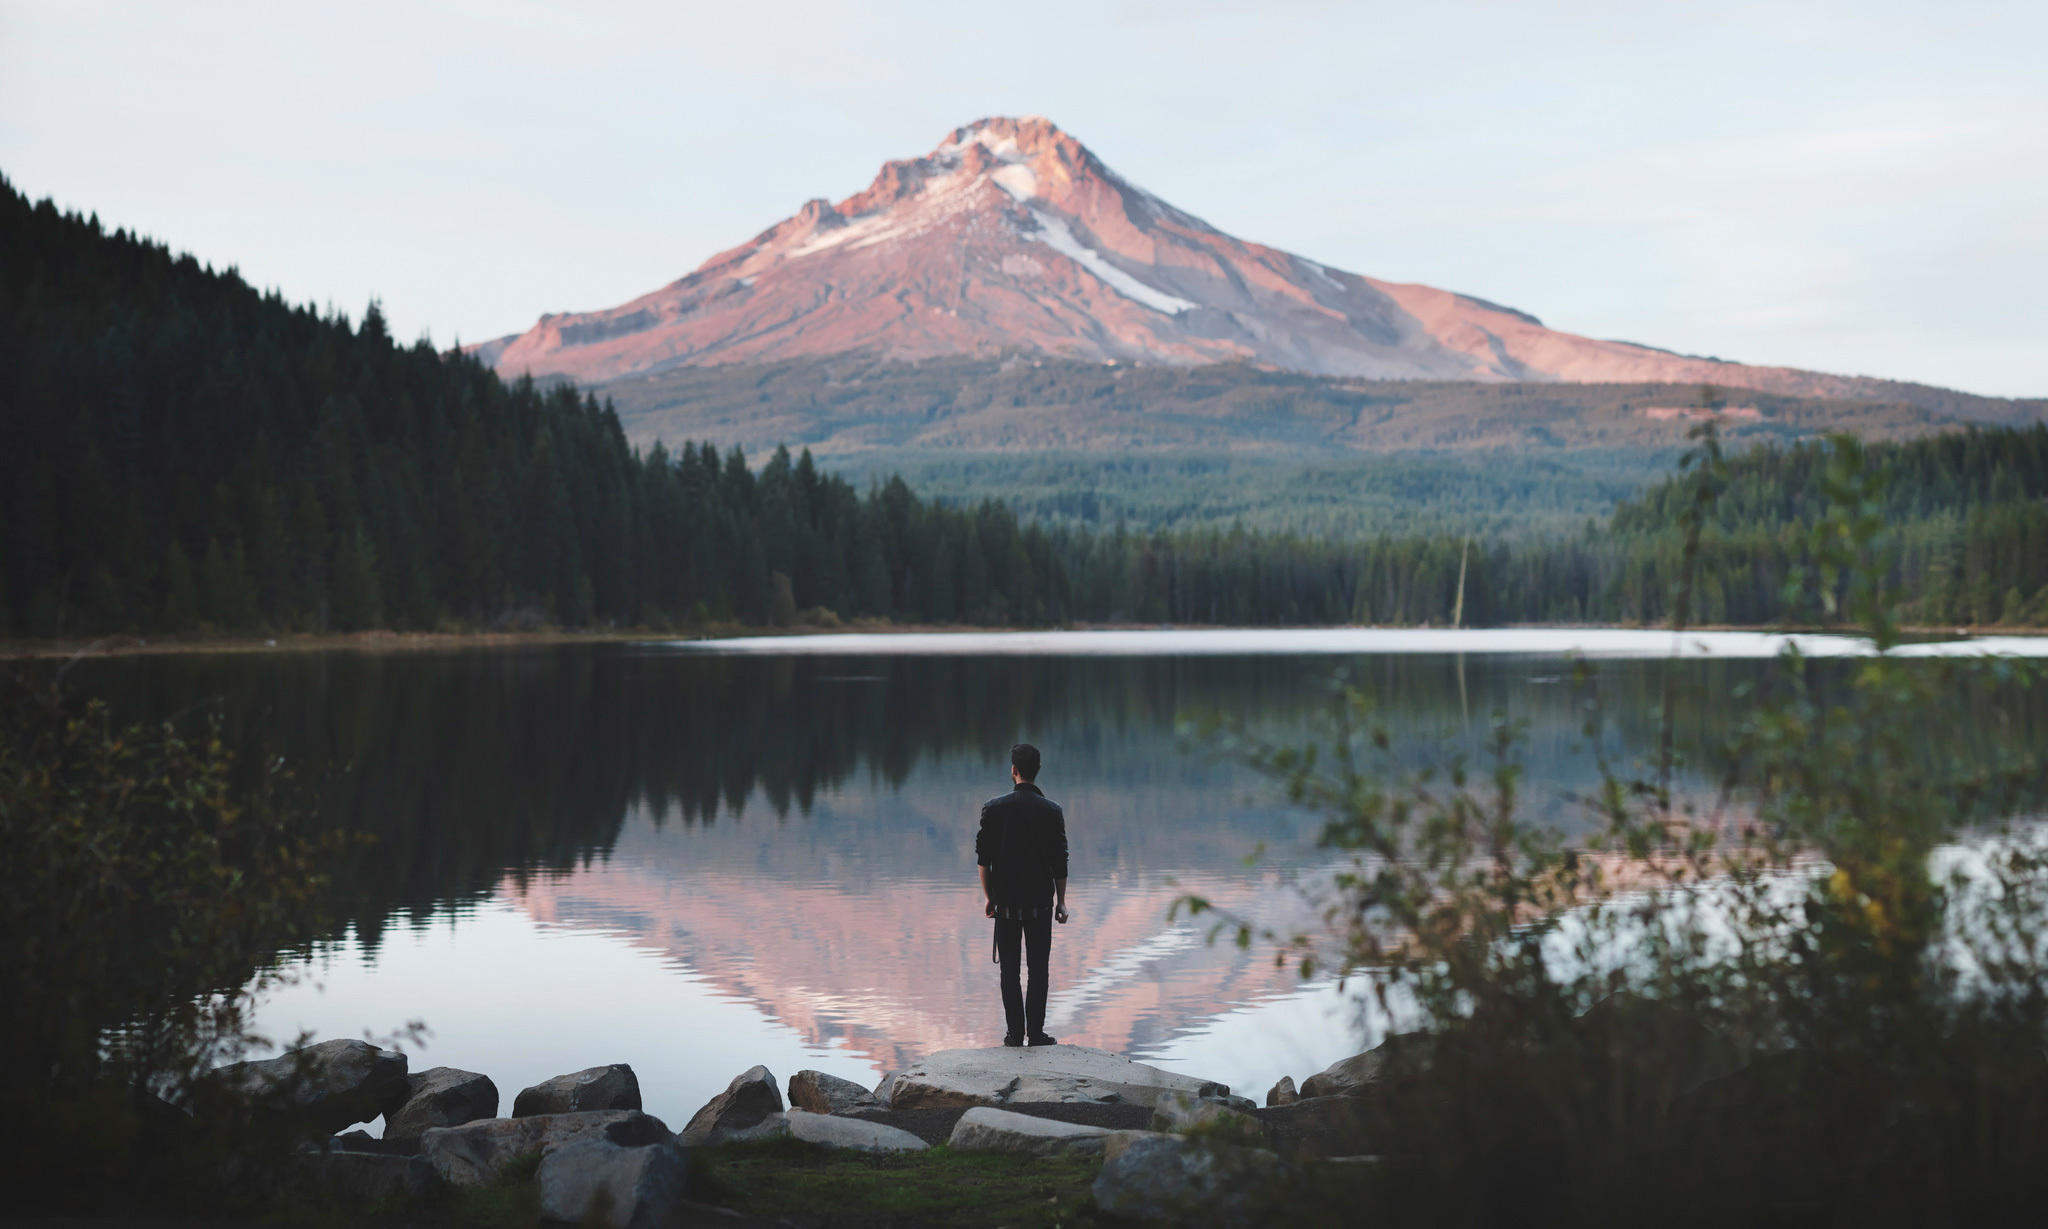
(751, 1097)
(1179, 1181)
(597, 1182)
(596, 1088)
(952, 1079)
(830, 1131)
(352, 1176)
(329, 1087)
(1282, 1093)
(1180, 1114)
(828, 1094)
(774, 1126)
(986, 1129)
(1400, 1055)
(442, 1097)
(475, 1153)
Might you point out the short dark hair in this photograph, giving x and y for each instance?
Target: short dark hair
(1024, 758)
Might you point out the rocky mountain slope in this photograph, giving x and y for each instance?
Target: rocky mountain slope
(1011, 237)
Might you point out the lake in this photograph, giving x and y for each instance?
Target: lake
(695, 857)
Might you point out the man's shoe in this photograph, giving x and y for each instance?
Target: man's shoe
(1044, 1039)
(1012, 1039)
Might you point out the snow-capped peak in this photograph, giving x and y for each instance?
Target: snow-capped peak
(1010, 235)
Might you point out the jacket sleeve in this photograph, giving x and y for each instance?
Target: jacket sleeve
(1057, 852)
(985, 839)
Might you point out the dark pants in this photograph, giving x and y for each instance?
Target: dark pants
(1026, 1015)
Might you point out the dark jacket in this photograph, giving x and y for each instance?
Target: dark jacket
(1023, 842)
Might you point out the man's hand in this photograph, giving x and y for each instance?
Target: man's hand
(989, 910)
(1060, 915)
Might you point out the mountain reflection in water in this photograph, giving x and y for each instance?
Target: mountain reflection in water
(794, 835)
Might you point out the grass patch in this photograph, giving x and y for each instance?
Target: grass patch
(513, 1198)
(937, 1187)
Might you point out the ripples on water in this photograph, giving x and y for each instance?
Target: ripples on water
(696, 858)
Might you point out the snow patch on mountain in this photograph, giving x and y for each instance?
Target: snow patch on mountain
(1055, 234)
(1018, 180)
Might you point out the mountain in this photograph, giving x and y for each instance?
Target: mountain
(1011, 237)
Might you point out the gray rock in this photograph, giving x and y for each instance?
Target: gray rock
(828, 1131)
(986, 1129)
(1209, 1117)
(329, 1087)
(596, 1088)
(828, 1094)
(598, 1182)
(1113, 1146)
(1180, 1181)
(1061, 1074)
(367, 1177)
(442, 1097)
(475, 1153)
(774, 1126)
(1282, 1093)
(832, 1131)
(1400, 1055)
(750, 1097)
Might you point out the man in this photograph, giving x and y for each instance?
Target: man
(1022, 849)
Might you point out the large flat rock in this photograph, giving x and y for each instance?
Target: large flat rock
(1034, 1075)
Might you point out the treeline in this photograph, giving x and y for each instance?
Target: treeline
(181, 453)
(1967, 511)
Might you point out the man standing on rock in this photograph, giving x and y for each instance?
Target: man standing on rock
(1022, 849)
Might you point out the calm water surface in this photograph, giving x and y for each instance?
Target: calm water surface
(695, 858)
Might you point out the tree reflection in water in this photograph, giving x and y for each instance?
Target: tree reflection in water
(807, 821)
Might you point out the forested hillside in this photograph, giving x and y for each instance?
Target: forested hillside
(181, 453)
(178, 450)
(846, 404)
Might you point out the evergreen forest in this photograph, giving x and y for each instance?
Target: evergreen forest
(181, 453)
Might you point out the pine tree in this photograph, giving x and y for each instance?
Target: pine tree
(358, 600)
(181, 601)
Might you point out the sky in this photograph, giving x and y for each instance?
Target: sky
(1855, 187)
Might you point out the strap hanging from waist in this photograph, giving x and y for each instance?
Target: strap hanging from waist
(1012, 913)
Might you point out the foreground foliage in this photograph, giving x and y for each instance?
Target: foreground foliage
(147, 879)
(1797, 977)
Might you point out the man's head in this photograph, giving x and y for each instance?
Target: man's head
(1024, 762)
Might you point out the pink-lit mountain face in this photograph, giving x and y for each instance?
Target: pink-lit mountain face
(1012, 237)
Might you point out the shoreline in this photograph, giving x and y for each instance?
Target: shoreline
(406, 642)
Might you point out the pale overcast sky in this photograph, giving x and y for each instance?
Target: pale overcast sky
(1859, 187)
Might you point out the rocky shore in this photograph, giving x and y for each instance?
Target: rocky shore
(1169, 1146)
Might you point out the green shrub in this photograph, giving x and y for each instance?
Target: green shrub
(1815, 995)
(148, 879)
